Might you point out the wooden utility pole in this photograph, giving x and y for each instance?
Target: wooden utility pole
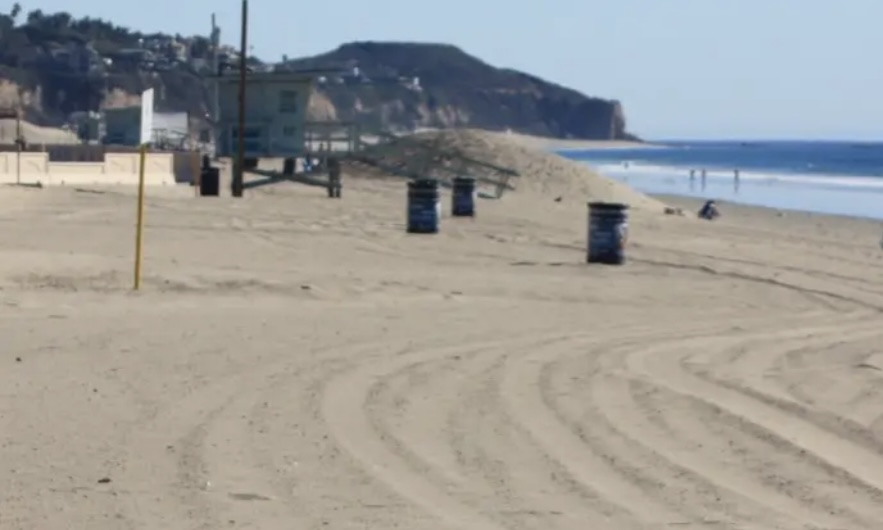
(239, 168)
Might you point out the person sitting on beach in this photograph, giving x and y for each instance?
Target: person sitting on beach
(709, 211)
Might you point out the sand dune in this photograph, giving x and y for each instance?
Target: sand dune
(300, 362)
(541, 172)
(559, 144)
(548, 143)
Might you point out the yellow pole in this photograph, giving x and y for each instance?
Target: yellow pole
(139, 230)
(20, 144)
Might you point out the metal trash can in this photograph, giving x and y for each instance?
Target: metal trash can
(463, 197)
(210, 182)
(424, 208)
(607, 233)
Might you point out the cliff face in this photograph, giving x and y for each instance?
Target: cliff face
(410, 85)
(56, 65)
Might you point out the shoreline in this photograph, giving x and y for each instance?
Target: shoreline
(789, 224)
(560, 144)
(546, 143)
(691, 206)
(782, 192)
(851, 204)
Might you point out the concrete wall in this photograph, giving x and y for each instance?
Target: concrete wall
(186, 166)
(117, 168)
(71, 152)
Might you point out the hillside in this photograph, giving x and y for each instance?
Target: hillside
(58, 65)
(413, 85)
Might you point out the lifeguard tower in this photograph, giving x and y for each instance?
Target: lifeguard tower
(275, 113)
(275, 121)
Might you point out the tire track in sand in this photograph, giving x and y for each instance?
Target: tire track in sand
(866, 285)
(821, 297)
(200, 451)
(609, 426)
(441, 416)
(591, 458)
(343, 408)
(764, 377)
(747, 362)
(428, 379)
(812, 491)
(538, 489)
(412, 471)
(662, 366)
(802, 372)
(742, 489)
(816, 415)
(357, 432)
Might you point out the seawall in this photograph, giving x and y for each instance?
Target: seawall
(160, 169)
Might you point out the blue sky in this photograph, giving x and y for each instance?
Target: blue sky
(709, 69)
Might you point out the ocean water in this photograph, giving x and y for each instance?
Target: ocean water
(844, 178)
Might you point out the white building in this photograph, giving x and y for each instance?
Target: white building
(122, 126)
(170, 128)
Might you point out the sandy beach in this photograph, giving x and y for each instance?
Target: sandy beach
(299, 362)
(558, 144)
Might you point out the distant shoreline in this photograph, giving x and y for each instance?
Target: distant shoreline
(745, 209)
(560, 144)
(546, 143)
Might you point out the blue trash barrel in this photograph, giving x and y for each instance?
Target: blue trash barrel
(463, 197)
(608, 233)
(424, 208)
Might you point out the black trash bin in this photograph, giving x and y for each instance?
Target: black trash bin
(608, 233)
(424, 209)
(210, 182)
(463, 197)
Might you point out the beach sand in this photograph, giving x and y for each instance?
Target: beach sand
(554, 144)
(558, 144)
(524, 140)
(299, 362)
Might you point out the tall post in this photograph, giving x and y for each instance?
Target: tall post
(216, 98)
(19, 142)
(239, 168)
(139, 219)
